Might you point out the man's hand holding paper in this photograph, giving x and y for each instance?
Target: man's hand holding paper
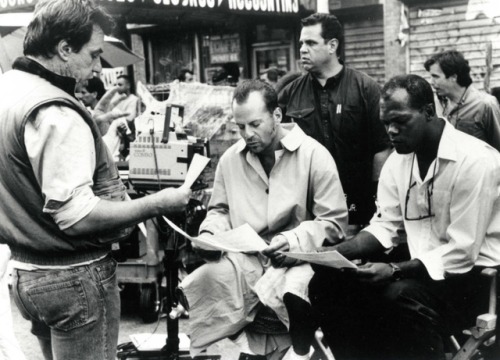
(275, 251)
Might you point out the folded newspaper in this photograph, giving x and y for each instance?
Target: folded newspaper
(327, 258)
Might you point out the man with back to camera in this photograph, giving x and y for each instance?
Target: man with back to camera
(441, 186)
(466, 108)
(63, 203)
(257, 182)
(338, 106)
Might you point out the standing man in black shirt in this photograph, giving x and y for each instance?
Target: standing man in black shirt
(339, 107)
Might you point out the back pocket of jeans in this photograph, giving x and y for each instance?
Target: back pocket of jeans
(62, 306)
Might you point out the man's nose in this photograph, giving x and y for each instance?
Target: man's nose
(392, 129)
(303, 48)
(98, 66)
(248, 133)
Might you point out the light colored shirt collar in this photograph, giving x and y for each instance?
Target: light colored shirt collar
(447, 147)
(290, 141)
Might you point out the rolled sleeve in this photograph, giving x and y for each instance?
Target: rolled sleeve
(388, 219)
(61, 150)
(293, 240)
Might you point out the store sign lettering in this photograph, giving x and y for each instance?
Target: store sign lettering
(284, 6)
(277, 6)
(12, 4)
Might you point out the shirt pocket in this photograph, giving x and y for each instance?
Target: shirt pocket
(304, 118)
(440, 203)
(350, 131)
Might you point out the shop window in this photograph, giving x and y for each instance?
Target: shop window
(170, 55)
(277, 56)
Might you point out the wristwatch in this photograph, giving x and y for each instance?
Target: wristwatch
(397, 274)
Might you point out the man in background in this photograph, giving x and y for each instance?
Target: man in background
(63, 203)
(186, 75)
(467, 109)
(124, 101)
(339, 107)
(90, 92)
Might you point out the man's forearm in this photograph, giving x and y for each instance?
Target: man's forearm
(363, 245)
(413, 269)
(108, 215)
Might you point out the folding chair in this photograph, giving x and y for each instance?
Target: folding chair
(483, 333)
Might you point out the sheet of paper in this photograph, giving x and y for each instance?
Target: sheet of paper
(143, 230)
(151, 342)
(328, 258)
(198, 163)
(240, 239)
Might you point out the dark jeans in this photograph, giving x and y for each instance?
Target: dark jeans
(75, 312)
(406, 319)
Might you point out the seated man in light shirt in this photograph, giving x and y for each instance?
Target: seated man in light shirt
(441, 186)
(285, 185)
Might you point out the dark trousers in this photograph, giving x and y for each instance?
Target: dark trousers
(405, 319)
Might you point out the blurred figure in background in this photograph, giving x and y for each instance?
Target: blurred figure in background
(119, 137)
(93, 95)
(271, 76)
(186, 75)
(90, 92)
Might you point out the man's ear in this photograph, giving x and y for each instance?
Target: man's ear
(430, 111)
(277, 115)
(453, 77)
(64, 50)
(333, 45)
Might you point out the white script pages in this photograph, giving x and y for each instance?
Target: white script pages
(327, 258)
(240, 239)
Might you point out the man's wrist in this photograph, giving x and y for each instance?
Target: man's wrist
(397, 273)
